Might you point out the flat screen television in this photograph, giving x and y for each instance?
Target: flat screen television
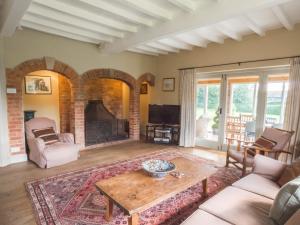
(164, 114)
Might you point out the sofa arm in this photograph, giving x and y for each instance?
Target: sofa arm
(36, 144)
(66, 138)
(268, 167)
(294, 219)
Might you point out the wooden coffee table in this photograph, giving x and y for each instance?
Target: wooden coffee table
(135, 192)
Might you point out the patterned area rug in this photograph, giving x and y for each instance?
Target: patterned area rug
(72, 199)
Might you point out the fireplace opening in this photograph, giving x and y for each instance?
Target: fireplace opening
(106, 111)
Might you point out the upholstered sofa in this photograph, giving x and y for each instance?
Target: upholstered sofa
(249, 200)
(45, 155)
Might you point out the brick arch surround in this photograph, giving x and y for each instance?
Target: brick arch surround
(15, 78)
(146, 77)
(134, 108)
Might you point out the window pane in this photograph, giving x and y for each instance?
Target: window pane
(243, 99)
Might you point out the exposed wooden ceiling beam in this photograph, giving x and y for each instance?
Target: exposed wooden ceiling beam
(228, 32)
(142, 52)
(175, 43)
(282, 17)
(113, 9)
(210, 36)
(163, 47)
(253, 26)
(72, 20)
(84, 14)
(149, 8)
(58, 32)
(186, 5)
(150, 49)
(69, 29)
(192, 39)
(204, 16)
(11, 13)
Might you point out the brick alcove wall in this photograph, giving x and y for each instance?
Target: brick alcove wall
(133, 115)
(15, 78)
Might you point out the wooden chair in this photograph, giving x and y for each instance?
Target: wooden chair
(272, 143)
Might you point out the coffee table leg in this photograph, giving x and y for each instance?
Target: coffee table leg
(133, 219)
(204, 186)
(109, 209)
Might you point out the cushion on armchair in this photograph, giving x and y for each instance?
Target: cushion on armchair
(47, 134)
(286, 203)
(267, 167)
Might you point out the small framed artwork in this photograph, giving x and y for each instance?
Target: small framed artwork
(144, 89)
(38, 85)
(168, 84)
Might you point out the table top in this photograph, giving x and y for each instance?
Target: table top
(136, 191)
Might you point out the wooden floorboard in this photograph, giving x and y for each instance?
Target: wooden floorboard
(15, 206)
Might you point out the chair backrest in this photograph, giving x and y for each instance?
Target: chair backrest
(279, 136)
(38, 123)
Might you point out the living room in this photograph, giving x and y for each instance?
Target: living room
(149, 112)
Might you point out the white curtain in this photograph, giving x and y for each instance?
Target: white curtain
(292, 111)
(188, 108)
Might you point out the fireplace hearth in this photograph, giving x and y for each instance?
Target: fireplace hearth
(102, 126)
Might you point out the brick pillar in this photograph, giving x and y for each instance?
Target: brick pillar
(64, 104)
(134, 113)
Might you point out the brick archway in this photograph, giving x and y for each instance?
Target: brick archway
(15, 78)
(134, 109)
(146, 77)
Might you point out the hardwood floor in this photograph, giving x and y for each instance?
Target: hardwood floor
(15, 206)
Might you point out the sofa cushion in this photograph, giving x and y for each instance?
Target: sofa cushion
(287, 202)
(200, 217)
(290, 172)
(267, 167)
(294, 219)
(239, 207)
(258, 185)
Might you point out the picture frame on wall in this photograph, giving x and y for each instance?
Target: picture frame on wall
(38, 85)
(168, 84)
(144, 89)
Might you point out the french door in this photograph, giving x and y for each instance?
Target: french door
(239, 105)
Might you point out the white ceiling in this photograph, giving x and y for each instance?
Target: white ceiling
(158, 26)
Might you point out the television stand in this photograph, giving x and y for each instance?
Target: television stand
(163, 133)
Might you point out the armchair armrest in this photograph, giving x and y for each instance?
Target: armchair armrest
(66, 138)
(36, 144)
(268, 167)
(257, 149)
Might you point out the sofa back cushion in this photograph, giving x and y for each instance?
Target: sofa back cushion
(290, 172)
(47, 134)
(268, 167)
(286, 203)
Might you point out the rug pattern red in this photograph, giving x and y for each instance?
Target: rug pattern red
(72, 199)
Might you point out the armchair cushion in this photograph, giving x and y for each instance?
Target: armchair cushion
(239, 156)
(286, 203)
(47, 134)
(267, 167)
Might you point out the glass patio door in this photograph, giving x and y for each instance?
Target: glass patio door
(209, 112)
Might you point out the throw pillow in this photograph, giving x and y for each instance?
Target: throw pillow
(290, 173)
(47, 134)
(268, 167)
(286, 202)
(264, 142)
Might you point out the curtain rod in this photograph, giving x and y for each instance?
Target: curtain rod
(239, 63)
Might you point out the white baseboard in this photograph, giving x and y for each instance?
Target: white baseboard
(18, 158)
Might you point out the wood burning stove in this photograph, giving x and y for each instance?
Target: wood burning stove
(102, 126)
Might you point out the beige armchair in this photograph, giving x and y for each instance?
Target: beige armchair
(64, 150)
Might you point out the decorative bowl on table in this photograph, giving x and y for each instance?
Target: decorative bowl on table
(158, 168)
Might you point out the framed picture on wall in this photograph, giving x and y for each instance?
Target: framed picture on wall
(168, 84)
(38, 85)
(144, 89)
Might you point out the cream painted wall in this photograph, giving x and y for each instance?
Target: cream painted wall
(145, 100)
(29, 44)
(277, 43)
(44, 105)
